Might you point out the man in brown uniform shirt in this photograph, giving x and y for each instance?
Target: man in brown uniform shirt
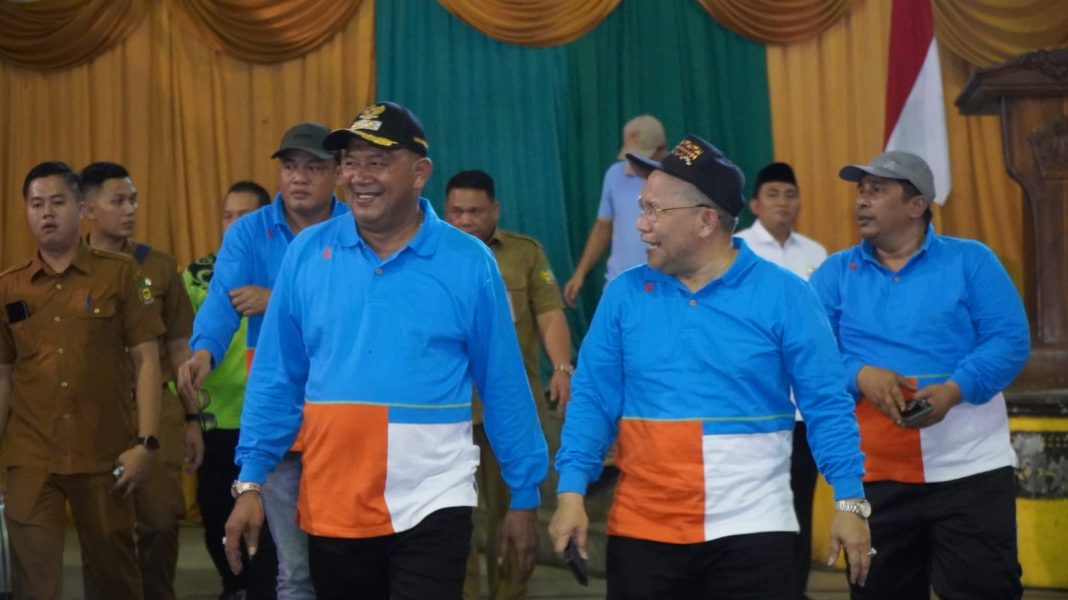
(538, 315)
(70, 313)
(111, 208)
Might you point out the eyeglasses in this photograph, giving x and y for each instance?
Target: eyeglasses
(652, 211)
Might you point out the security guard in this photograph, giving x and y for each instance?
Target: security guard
(70, 313)
(538, 315)
(111, 209)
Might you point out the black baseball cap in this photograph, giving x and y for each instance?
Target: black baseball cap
(698, 162)
(386, 125)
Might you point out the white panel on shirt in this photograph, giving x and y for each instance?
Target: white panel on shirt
(972, 439)
(750, 494)
(801, 255)
(428, 467)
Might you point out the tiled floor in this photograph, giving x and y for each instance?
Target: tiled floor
(197, 579)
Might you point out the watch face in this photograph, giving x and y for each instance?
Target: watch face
(150, 442)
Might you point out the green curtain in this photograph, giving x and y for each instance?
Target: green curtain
(546, 122)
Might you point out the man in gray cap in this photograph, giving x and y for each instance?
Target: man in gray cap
(931, 330)
(690, 359)
(245, 271)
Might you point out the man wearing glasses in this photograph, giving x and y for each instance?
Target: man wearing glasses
(690, 360)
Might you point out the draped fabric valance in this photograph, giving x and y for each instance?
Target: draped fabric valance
(58, 34)
(988, 32)
(531, 22)
(264, 31)
(777, 21)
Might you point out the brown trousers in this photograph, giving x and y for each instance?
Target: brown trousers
(36, 522)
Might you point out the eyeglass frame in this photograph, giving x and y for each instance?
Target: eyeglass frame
(652, 212)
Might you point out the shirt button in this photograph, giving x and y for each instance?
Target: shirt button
(378, 271)
(66, 416)
(96, 311)
(60, 350)
(56, 319)
(693, 302)
(63, 384)
(896, 279)
(59, 286)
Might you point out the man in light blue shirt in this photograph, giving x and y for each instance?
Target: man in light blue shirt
(245, 272)
(378, 325)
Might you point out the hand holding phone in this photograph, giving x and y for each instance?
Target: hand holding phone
(576, 563)
(915, 412)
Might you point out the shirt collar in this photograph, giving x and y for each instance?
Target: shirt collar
(743, 262)
(762, 235)
(424, 243)
(867, 249)
(276, 213)
(82, 261)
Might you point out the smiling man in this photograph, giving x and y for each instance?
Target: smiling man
(937, 319)
(377, 328)
(690, 360)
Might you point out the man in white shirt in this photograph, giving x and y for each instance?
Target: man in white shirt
(776, 202)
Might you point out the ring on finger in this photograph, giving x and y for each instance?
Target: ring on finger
(872, 552)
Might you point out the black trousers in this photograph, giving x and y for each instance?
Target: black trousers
(426, 561)
(214, 477)
(803, 476)
(958, 537)
(741, 567)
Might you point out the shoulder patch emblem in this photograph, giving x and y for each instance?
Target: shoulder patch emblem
(546, 276)
(144, 290)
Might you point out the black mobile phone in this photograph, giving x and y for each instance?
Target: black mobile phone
(576, 563)
(916, 411)
(17, 311)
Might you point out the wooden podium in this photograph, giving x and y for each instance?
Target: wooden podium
(1030, 93)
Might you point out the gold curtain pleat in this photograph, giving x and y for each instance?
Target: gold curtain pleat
(988, 32)
(264, 31)
(536, 23)
(777, 21)
(185, 120)
(827, 110)
(57, 34)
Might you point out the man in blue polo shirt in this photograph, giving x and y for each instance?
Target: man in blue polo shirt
(690, 359)
(377, 327)
(245, 272)
(922, 317)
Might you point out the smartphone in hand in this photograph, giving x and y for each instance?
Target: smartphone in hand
(576, 563)
(915, 412)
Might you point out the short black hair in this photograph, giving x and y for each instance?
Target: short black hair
(48, 169)
(472, 180)
(247, 186)
(95, 174)
(910, 192)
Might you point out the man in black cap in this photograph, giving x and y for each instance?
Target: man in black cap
(376, 375)
(776, 203)
(690, 360)
(931, 330)
(241, 286)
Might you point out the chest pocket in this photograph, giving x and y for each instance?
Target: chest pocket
(100, 326)
(25, 342)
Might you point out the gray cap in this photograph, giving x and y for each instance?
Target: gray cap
(895, 164)
(307, 137)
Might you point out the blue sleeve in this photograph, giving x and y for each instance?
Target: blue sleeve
(596, 405)
(274, 398)
(217, 321)
(509, 414)
(819, 381)
(826, 281)
(605, 210)
(1003, 340)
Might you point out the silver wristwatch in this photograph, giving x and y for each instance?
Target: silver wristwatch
(858, 507)
(240, 487)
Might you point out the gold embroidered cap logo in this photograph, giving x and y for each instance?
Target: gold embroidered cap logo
(687, 152)
(368, 119)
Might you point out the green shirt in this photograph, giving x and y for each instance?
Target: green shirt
(532, 290)
(226, 384)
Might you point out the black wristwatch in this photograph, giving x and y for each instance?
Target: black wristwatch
(150, 442)
(192, 417)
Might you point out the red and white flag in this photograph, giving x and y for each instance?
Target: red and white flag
(915, 113)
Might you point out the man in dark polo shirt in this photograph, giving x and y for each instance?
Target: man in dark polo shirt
(111, 208)
(538, 314)
(70, 313)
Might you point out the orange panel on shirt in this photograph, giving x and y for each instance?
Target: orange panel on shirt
(344, 479)
(891, 453)
(661, 491)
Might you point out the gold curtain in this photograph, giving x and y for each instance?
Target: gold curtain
(264, 30)
(59, 34)
(531, 22)
(827, 108)
(777, 21)
(988, 32)
(185, 120)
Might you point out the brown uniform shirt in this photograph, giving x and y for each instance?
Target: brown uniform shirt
(532, 290)
(67, 336)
